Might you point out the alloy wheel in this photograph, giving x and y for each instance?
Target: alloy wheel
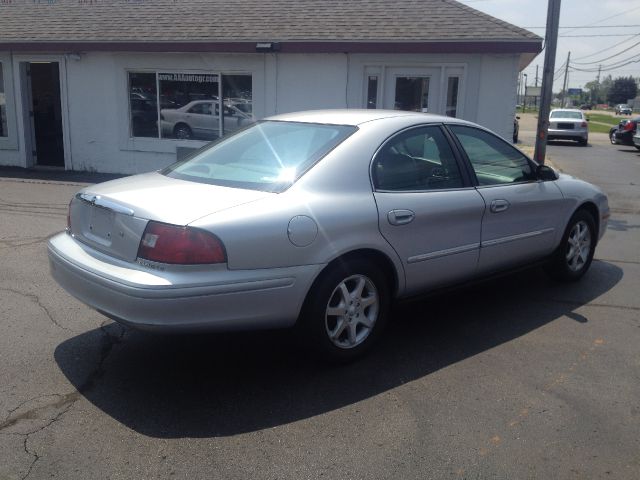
(579, 246)
(352, 311)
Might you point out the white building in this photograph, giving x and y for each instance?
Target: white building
(128, 86)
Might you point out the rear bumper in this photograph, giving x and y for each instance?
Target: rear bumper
(225, 300)
(560, 134)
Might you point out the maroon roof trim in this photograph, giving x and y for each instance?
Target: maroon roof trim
(284, 47)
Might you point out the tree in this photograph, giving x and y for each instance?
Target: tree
(623, 89)
(594, 91)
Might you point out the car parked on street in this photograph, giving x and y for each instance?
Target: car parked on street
(568, 124)
(623, 109)
(320, 220)
(622, 134)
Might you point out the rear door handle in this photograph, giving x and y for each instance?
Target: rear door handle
(498, 206)
(400, 217)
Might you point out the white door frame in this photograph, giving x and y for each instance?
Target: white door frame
(24, 121)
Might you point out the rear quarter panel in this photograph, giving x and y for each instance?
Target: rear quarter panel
(335, 194)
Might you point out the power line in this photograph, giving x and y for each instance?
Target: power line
(609, 57)
(599, 35)
(606, 49)
(595, 26)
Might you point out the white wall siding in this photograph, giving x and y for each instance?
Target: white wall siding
(496, 93)
(98, 99)
(311, 82)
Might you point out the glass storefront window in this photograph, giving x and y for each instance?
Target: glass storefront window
(187, 106)
(3, 106)
(452, 96)
(143, 99)
(412, 94)
(237, 95)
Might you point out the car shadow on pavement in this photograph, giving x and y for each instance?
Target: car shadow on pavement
(169, 386)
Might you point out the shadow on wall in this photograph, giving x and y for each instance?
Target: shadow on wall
(219, 385)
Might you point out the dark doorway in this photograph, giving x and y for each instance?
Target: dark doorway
(46, 111)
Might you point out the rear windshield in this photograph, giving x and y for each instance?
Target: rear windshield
(269, 155)
(566, 114)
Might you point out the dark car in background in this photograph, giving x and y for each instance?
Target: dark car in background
(622, 134)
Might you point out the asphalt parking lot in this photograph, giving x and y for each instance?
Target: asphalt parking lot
(519, 377)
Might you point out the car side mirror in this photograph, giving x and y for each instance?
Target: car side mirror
(545, 172)
(517, 117)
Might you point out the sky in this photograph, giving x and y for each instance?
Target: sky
(611, 26)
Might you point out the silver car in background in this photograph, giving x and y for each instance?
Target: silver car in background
(568, 124)
(321, 220)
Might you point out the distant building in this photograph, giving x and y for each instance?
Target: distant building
(127, 86)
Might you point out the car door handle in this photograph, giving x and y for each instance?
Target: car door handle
(400, 217)
(498, 206)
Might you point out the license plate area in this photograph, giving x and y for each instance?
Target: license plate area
(100, 228)
(565, 126)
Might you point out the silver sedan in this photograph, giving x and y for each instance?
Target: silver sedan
(321, 220)
(568, 124)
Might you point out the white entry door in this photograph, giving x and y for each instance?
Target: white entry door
(413, 89)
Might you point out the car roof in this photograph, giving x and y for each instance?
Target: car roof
(357, 117)
(567, 110)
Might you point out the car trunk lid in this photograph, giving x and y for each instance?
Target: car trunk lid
(112, 217)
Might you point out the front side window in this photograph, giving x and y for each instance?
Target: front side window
(419, 159)
(267, 156)
(186, 106)
(3, 106)
(494, 161)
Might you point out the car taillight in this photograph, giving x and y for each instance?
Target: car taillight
(166, 243)
(629, 126)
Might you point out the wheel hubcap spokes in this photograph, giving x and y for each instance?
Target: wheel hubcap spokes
(352, 311)
(579, 246)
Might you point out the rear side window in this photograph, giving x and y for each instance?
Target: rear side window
(418, 159)
(267, 156)
(494, 161)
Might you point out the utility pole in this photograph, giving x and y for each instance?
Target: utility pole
(598, 83)
(566, 77)
(551, 42)
(537, 75)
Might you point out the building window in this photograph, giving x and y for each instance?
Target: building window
(412, 93)
(143, 98)
(188, 106)
(372, 91)
(3, 106)
(237, 95)
(452, 96)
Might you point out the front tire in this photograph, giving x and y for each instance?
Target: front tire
(345, 310)
(573, 257)
(182, 132)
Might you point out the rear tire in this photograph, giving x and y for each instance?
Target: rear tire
(345, 310)
(573, 257)
(612, 137)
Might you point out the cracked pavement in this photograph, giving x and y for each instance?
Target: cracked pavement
(517, 378)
